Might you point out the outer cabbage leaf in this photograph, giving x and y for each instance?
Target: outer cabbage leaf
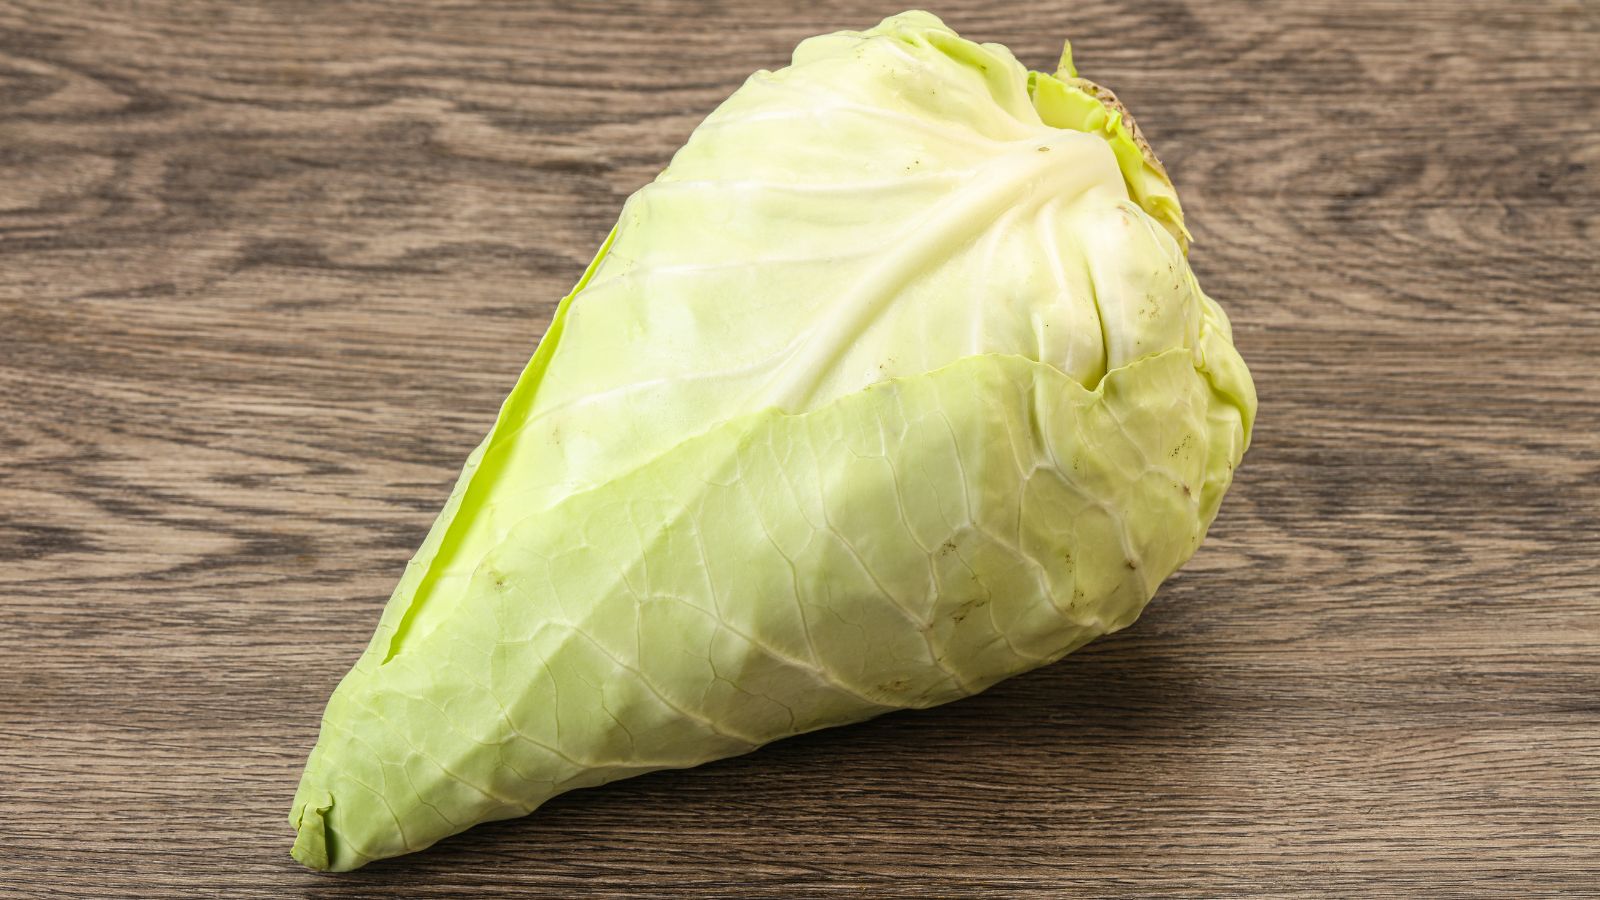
(895, 383)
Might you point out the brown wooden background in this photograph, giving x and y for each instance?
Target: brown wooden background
(267, 269)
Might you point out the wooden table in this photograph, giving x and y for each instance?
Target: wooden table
(268, 270)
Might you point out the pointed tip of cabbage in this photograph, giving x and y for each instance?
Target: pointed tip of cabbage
(311, 843)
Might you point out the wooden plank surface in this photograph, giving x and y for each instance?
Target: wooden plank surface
(267, 269)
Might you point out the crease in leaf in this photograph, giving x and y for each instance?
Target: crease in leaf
(479, 476)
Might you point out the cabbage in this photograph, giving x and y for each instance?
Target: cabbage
(895, 383)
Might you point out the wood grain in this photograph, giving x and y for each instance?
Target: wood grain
(267, 269)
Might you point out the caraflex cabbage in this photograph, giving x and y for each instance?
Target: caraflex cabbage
(895, 383)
